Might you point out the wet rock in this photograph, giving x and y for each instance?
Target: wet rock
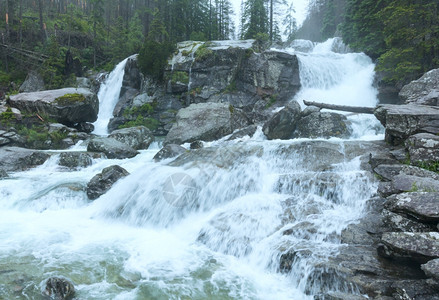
(382, 158)
(59, 288)
(283, 123)
(33, 83)
(423, 91)
(363, 233)
(169, 151)
(387, 172)
(75, 159)
(85, 127)
(3, 174)
(423, 148)
(138, 137)
(68, 106)
(402, 121)
(340, 296)
(323, 124)
(247, 131)
(111, 148)
(413, 290)
(421, 206)
(206, 122)
(196, 145)
(310, 110)
(431, 269)
(420, 246)
(18, 159)
(103, 181)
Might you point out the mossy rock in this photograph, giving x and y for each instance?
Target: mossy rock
(69, 99)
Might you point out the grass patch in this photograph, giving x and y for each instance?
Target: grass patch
(69, 99)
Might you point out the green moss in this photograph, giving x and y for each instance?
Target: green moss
(179, 76)
(144, 109)
(150, 123)
(231, 87)
(430, 165)
(185, 52)
(69, 99)
(271, 100)
(203, 52)
(231, 109)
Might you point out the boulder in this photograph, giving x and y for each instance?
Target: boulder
(59, 288)
(138, 137)
(282, 124)
(206, 122)
(402, 121)
(423, 91)
(417, 246)
(75, 160)
(246, 131)
(68, 106)
(431, 269)
(17, 159)
(323, 124)
(409, 183)
(421, 206)
(3, 174)
(169, 151)
(111, 148)
(33, 83)
(423, 149)
(396, 222)
(103, 181)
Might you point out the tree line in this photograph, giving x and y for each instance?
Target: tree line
(401, 36)
(98, 33)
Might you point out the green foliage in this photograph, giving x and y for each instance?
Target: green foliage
(231, 109)
(7, 117)
(231, 87)
(430, 166)
(69, 99)
(271, 101)
(151, 123)
(179, 76)
(203, 52)
(255, 19)
(403, 35)
(144, 109)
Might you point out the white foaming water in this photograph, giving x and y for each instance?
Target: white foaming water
(330, 75)
(211, 224)
(108, 96)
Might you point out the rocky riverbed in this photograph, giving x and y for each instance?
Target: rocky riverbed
(231, 90)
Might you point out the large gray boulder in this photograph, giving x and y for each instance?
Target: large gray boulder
(423, 91)
(206, 122)
(67, 106)
(103, 181)
(111, 148)
(417, 246)
(75, 160)
(431, 269)
(323, 124)
(138, 137)
(18, 159)
(33, 83)
(423, 149)
(282, 124)
(421, 206)
(169, 151)
(402, 121)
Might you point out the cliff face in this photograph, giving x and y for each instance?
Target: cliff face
(231, 72)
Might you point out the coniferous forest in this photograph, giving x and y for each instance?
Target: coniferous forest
(63, 38)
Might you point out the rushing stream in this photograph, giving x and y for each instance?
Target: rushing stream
(211, 224)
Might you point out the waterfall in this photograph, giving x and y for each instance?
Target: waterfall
(108, 96)
(215, 223)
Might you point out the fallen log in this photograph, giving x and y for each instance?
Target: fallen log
(354, 109)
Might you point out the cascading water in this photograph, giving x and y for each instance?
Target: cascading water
(248, 219)
(108, 96)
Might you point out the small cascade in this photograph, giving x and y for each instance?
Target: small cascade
(108, 96)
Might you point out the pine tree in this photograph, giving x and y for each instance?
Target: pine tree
(255, 20)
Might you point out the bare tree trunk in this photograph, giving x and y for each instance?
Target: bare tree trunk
(7, 20)
(20, 16)
(354, 109)
(42, 25)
